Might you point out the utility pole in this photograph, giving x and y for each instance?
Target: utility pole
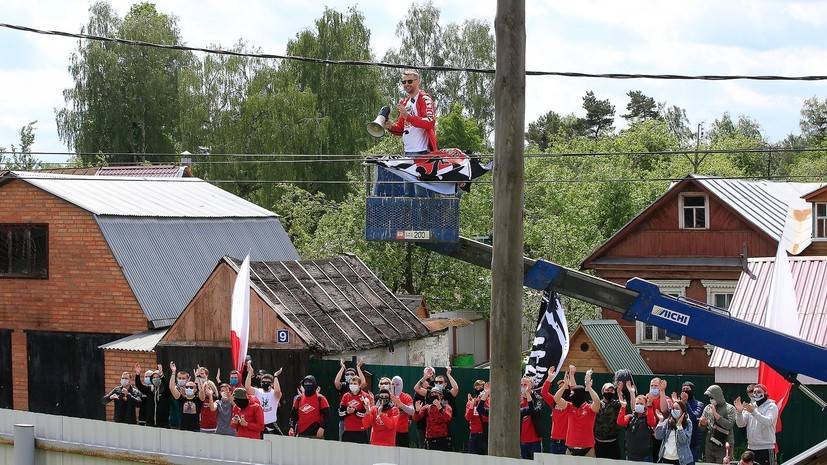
(507, 256)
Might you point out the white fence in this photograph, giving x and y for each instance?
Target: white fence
(70, 441)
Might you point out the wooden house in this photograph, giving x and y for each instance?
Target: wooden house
(693, 241)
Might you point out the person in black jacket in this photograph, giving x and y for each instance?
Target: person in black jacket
(155, 406)
(127, 398)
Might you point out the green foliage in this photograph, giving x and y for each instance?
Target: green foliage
(599, 115)
(455, 130)
(640, 107)
(814, 120)
(20, 157)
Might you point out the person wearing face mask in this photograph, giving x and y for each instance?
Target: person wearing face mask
(209, 412)
(581, 414)
(606, 430)
(404, 404)
(190, 399)
(718, 422)
(421, 389)
(694, 408)
(477, 409)
(269, 395)
(310, 410)
(224, 411)
(531, 407)
(352, 411)
(341, 382)
(437, 415)
(248, 418)
(127, 398)
(675, 433)
(381, 419)
(559, 416)
(156, 397)
(639, 424)
(759, 416)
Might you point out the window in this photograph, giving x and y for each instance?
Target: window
(719, 292)
(694, 213)
(24, 251)
(820, 221)
(652, 335)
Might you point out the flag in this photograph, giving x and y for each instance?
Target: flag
(551, 341)
(781, 316)
(448, 165)
(240, 315)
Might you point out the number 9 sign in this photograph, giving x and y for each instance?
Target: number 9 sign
(282, 336)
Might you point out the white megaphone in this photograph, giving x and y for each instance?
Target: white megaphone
(376, 128)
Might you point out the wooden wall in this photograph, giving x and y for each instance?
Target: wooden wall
(583, 354)
(206, 319)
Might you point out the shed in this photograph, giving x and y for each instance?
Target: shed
(603, 346)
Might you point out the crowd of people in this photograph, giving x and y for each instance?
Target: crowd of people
(680, 429)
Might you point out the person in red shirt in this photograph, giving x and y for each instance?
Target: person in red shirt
(640, 425)
(404, 404)
(381, 419)
(581, 413)
(248, 418)
(209, 420)
(437, 414)
(476, 413)
(559, 417)
(531, 405)
(352, 410)
(310, 410)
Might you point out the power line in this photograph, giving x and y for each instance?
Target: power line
(381, 64)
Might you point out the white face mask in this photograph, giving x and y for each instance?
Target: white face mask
(124, 382)
(354, 389)
(757, 396)
(640, 408)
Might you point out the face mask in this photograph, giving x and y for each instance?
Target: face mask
(431, 399)
(654, 391)
(124, 382)
(147, 380)
(156, 382)
(348, 378)
(438, 387)
(189, 392)
(182, 382)
(522, 389)
(265, 385)
(476, 393)
(309, 389)
(676, 413)
(384, 402)
(242, 403)
(757, 397)
(640, 408)
(354, 389)
(609, 396)
(233, 381)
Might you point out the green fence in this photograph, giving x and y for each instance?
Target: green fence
(804, 425)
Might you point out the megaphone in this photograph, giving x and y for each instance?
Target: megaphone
(376, 128)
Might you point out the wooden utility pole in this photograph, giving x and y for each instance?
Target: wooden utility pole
(507, 257)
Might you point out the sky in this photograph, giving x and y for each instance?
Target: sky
(662, 37)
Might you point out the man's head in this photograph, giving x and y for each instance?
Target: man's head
(125, 377)
(309, 385)
(235, 376)
(398, 385)
(410, 81)
(759, 392)
(526, 384)
(385, 383)
(240, 398)
(435, 394)
(608, 391)
(266, 381)
(439, 382)
(687, 390)
(747, 458)
(384, 399)
(225, 391)
(182, 378)
(654, 387)
(190, 389)
(355, 385)
(349, 373)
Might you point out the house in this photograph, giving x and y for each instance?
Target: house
(333, 308)
(692, 242)
(750, 303)
(603, 346)
(86, 260)
(144, 171)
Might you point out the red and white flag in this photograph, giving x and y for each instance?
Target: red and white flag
(240, 315)
(781, 316)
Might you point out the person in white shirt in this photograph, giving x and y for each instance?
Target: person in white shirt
(269, 396)
(759, 417)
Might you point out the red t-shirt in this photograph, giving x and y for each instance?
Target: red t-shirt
(403, 422)
(208, 417)
(437, 420)
(527, 431)
(353, 421)
(580, 432)
(254, 416)
(309, 411)
(475, 420)
(383, 429)
(559, 423)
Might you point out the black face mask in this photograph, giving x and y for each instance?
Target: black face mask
(475, 393)
(309, 388)
(610, 396)
(242, 403)
(578, 396)
(265, 385)
(431, 399)
(689, 394)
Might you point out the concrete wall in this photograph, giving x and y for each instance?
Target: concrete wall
(432, 350)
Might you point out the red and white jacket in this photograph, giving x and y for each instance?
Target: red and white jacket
(425, 105)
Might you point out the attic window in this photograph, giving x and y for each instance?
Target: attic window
(694, 211)
(24, 251)
(820, 221)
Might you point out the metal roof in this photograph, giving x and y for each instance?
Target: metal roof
(143, 196)
(166, 260)
(141, 342)
(762, 203)
(666, 261)
(149, 171)
(615, 347)
(334, 304)
(750, 303)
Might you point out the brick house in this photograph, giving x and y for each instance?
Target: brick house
(86, 260)
(693, 242)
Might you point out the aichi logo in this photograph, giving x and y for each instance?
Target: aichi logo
(670, 315)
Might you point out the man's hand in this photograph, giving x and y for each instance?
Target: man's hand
(249, 364)
(448, 370)
(630, 387)
(360, 363)
(436, 403)
(659, 414)
(160, 369)
(418, 405)
(403, 111)
(350, 410)
(622, 402)
(663, 385)
(684, 396)
(320, 433)
(749, 408)
(137, 368)
(342, 362)
(703, 421)
(172, 367)
(739, 406)
(290, 432)
(242, 421)
(587, 381)
(648, 399)
(114, 397)
(366, 401)
(278, 372)
(428, 372)
(675, 396)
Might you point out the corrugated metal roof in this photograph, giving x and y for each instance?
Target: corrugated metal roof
(141, 342)
(155, 197)
(335, 304)
(615, 347)
(762, 203)
(166, 260)
(148, 171)
(675, 261)
(750, 303)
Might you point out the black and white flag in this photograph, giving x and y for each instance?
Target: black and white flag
(551, 342)
(429, 170)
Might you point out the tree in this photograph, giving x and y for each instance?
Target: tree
(543, 129)
(599, 115)
(640, 107)
(21, 158)
(814, 119)
(678, 123)
(455, 130)
(124, 98)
